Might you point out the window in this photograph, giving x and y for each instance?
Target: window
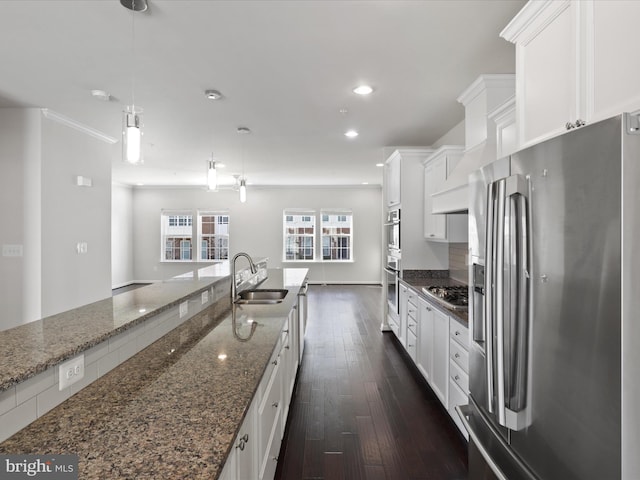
(180, 237)
(337, 234)
(335, 240)
(176, 236)
(213, 229)
(299, 236)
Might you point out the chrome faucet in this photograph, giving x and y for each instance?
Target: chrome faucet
(252, 266)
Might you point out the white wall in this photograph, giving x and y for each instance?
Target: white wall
(121, 235)
(72, 214)
(256, 227)
(19, 160)
(43, 210)
(455, 136)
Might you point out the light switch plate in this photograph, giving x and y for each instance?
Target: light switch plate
(70, 372)
(11, 250)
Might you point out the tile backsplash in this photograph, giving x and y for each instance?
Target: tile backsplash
(458, 268)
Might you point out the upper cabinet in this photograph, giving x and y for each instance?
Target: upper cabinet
(400, 184)
(442, 227)
(392, 183)
(575, 62)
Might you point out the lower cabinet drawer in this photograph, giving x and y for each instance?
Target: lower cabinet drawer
(457, 397)
(459, 355)
(459, 333)
(269, 421)
(412, 345)
(395, 328)
(459, 376)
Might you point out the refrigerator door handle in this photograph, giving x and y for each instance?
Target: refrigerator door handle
(488, 303)
(499, 299)
(514, 389)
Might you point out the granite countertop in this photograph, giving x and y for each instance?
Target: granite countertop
(428, 278)
(172, 410)
(33, 347)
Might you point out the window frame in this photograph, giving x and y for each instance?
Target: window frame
(342, 216)
(221, 240)
(179, 220)
(305, 216)
(188, 220)
(318, 236)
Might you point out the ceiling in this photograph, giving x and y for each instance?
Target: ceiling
(286, 70)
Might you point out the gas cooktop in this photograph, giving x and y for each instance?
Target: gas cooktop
(455, 297)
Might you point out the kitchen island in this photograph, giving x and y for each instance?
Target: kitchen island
(172, 410)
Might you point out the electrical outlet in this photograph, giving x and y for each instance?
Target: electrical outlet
(205, 297)
(184, 309)
(70, 372)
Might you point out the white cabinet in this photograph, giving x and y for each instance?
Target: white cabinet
(269, 411)
(392, 180)
(575, 61)
(458, 370)
(441, 227)
(440, 367)
(290, 366)
(412, 325)
(416, 253)
(424, 354)
(432, 355)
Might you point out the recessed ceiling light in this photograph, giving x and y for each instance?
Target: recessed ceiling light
(213, 94)
(351, 133)
(101, 95)
(365, 183)
(363, 90)
(379, 164)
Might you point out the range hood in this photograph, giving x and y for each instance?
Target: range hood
(483, 96)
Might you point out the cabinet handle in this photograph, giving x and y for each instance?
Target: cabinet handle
(457, 355)
(275, 459)
(287, 347)
(285, 331)
(456, 377)
(410, 345)
(245, 437)
(428, 309)
(275, 362)
(274, 404)
(457, 333)
(432, 234)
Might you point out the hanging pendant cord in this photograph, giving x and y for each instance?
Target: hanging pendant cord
(133, 54)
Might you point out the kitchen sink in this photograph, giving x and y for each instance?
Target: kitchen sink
(262, 296)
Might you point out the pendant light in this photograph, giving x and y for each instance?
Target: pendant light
(243, 191)
(132, 114)
(212, 174)
(243, 182)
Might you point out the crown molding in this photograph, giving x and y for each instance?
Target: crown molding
(69, 122)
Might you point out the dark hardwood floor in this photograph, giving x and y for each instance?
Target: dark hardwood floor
(360, 410)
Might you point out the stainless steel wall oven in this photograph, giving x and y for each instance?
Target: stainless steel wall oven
(392, 270)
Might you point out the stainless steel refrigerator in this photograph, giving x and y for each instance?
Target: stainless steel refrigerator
(554, 362)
